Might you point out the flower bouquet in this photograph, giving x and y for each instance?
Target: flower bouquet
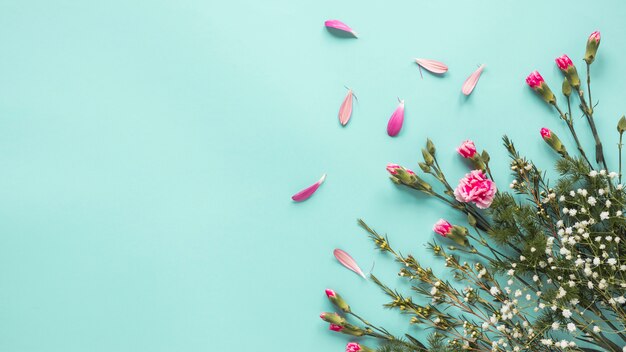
(540, 267)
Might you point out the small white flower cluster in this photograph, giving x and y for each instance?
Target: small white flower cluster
(584, 213)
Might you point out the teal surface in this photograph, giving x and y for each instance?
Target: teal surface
(149, 150)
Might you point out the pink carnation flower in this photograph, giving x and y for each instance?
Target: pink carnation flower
(353, 347)
(534, 80)
(330, 293)
(476, 187)
(467, 149)
(442, 227)
(546, 133)
(335, 327)
(564, 62)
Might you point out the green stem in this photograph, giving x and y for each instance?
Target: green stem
(570, 126)
(589, 89)
(620, 156)
(589, 114)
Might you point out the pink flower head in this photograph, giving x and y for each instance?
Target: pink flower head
(564, 62)
(534, 80)
(393, 169)
(442, 227)
(595, 36)
(353, 347)
(335, 327)
(476, 187)
(467, 149)
(330, 293)
(546, 133)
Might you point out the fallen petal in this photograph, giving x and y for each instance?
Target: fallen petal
(395, 121)
(308, 192)
(336, 24)
(345, 111)
(472, 80)
(346, 260)
(432, 65)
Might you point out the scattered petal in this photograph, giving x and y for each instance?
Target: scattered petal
(346, 260)
(395, 121)
(432, 65)
(336, 24)
(471, 81)
(308, 192)
(345, 111)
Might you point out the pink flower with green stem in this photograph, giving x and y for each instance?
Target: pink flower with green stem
(566, 66)
(538, 84)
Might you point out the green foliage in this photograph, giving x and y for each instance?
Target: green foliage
(394, 346)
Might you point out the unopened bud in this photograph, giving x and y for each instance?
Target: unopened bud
(592, 47)
(567, 88)
(333, 318)
(621, 125)
(430, 146)
(336, 299)
(428, 158)
(553, 141)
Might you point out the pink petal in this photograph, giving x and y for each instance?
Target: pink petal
(345, 111)
(346, 260)
(432, 65)
(471, 81)
(395, 121)
(336, 24)
(307, 192)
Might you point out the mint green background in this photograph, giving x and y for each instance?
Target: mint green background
(149, 150)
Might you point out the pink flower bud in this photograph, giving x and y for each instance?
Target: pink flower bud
(534, 80)
(353, 347)
(564, 62)
(467, 149)
(330, 293)
(335, 327)
(332, 318)
(393, 169)
(538, 84)
(592, 47)
(442, 227)
(553, 141)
